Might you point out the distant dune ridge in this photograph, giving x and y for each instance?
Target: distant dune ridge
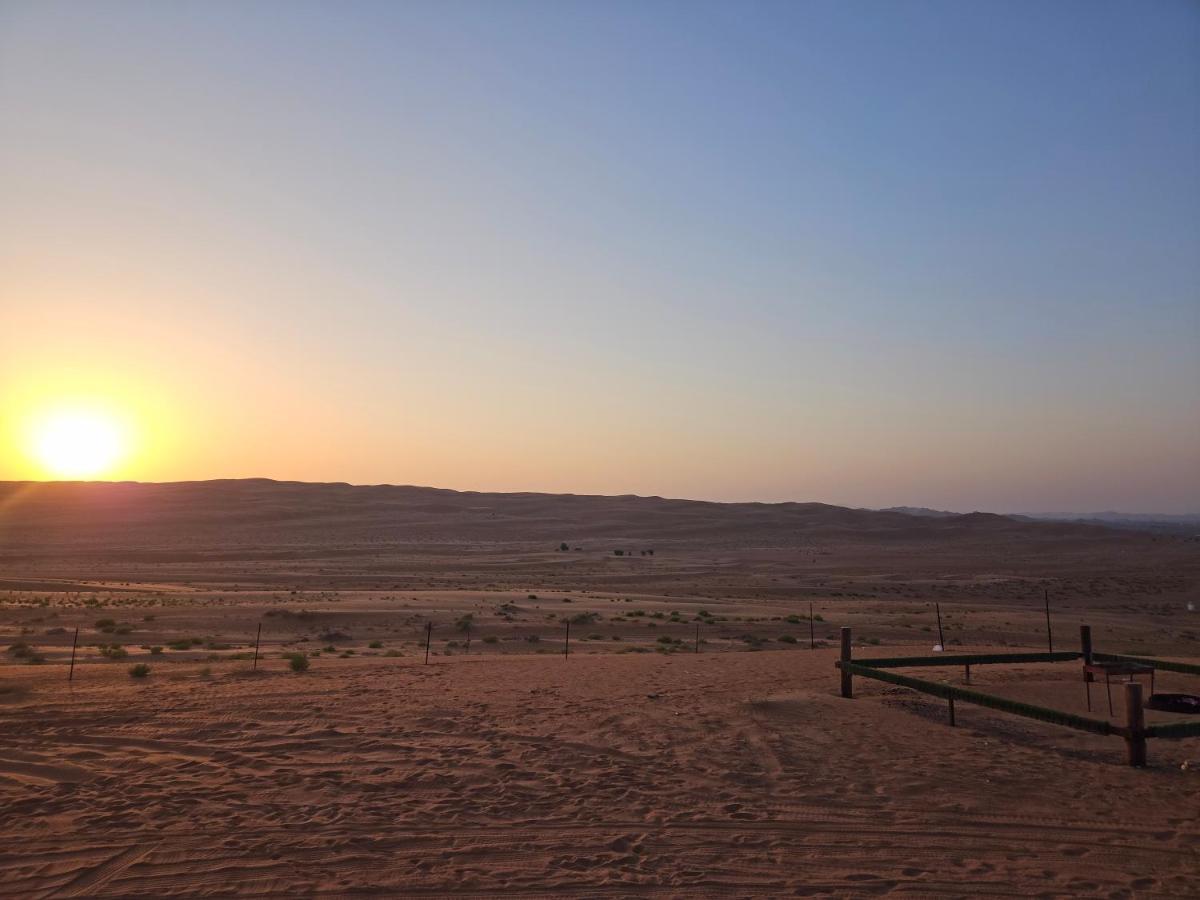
(263, 511)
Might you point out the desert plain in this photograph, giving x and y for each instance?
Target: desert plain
(544, 695)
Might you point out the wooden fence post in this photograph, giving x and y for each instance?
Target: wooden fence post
(1049, 633)
(697, 637)
(1085, 647)
(847, 678)
(74, 644)
(567, 641)
(257, 638)
(428, 638)
(941, 637)
(951, 712)
(812, 638)
(1135, 721)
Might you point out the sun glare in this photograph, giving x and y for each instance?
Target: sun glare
(78, 443)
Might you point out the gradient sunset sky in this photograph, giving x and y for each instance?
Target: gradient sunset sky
(868, 253)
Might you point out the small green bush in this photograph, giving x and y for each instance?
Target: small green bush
(141, 670)
(156, 651)
(298, 662)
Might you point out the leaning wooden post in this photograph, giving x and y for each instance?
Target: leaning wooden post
(847, 678)
(567, 641)
(812, 638)
(952, 712)
(428, 638)
(468, 637)
(697, 637)
(1049, 633)
(74, 644)
(941, 637)
(1085, 647)
(257, 638)
(1135, 722)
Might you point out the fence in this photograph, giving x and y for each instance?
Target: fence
(1134, 731)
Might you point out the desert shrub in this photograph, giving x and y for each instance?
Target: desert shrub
(464, 622)
(531, 597)
(298, 662)
(818, 618)
(788, 639)
(105, 624)
(532, 638)
(585, 618)
(156, 651)
(123, 629)
(792, 620)
(393, 653)
(141, 670)
(491, 639)
(618, 553)
(666, 639)
(113, 651)
(376, 645)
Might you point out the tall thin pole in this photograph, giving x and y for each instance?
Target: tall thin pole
(74, 644)
(567, 641)
(697, 637)
(941, 637)
(468, 637)
(812, 640)
(428, 638)
(1049, 634)
(257, 638)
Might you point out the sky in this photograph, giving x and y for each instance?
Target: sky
(868, 253)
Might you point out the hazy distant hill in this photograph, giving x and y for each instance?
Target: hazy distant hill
(259, 512)
(921, 511)
(1156, 522)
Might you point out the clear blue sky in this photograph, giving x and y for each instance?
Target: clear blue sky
(872, 253)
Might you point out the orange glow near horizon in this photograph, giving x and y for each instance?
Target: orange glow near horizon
(77, 439)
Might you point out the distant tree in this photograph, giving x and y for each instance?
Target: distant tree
(563, 546)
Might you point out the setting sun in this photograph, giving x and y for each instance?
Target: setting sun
(78, 443)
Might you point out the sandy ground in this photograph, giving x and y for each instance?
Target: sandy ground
(729, 773)
(635, 766)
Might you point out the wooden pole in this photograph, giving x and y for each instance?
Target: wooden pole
(812, 640)
(941, 637)
(847, 678)
(428, 638)
(1135, 721)
(567, 641)
(952, 725)
(1085, 647)
(74, 644)
(697, 637)
(468, 637)
(1049, 633)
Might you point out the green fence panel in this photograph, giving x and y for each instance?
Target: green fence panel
(966, 659)
(946, 691)
(1163, 665)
